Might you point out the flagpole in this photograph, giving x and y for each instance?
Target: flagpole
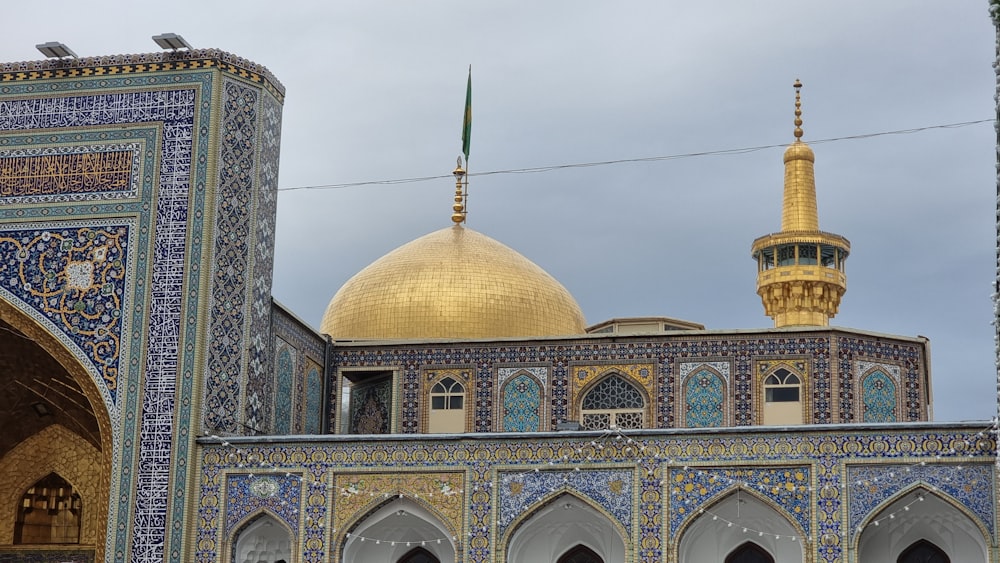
(466, 141)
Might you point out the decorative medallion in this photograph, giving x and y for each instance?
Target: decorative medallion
(264, 487)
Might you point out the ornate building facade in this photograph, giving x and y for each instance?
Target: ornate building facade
(453, 406)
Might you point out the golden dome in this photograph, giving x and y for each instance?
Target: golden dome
(452, 283)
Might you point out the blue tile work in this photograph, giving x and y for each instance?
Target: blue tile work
(698, 487)
(665, 477)
(740, 352)
(872, 487)
(284, 375)
(522, 404)
(704, 396)
(878, 398)
(174, 112)
(232, 256)
(904, 356)
(74, 276)
(309, 349)
(134, 103)
(246, 494)
(259, 359)
(314, 401)
(524, 491)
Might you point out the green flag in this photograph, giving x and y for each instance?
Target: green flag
(467, 121)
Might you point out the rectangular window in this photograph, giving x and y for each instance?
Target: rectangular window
(782, 394)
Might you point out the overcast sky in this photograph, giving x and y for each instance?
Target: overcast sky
(375, 91)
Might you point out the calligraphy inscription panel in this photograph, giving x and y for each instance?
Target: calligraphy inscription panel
(68, 170)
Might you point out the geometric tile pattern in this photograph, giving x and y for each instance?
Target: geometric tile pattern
(704, 397)
(130, 140)
(522, 404)
(521, 492)
(871, 486)
(894, 358)
(731, 355)
(232, 269)
(284, 374)
(878, 397)
(247, 494)
(808, 476)
(314, 401)
(697, 488)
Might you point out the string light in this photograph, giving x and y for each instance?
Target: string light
(969, 445)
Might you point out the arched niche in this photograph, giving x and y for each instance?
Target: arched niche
(262, 538)
(735, 517)
(56, 420)
(559, 525)
(392, 530)
(921, 514)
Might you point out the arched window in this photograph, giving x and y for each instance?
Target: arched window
(580, 554)
(749, 552)
(49, 513)
(447, 407)
(782, 398)
(923, 551)
(614, 402)
(419, 555)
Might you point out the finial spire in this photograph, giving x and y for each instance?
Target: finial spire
(798, 110)
(458, 208)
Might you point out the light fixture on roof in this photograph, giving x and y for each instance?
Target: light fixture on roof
(171, 41)
(56, 50)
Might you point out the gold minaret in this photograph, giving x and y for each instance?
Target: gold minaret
(800, 270)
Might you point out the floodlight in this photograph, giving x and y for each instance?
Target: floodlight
(171, 41)
(55, 50)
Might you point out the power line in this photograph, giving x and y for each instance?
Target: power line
(538, 169)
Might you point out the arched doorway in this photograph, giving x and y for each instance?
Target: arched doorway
(563, 527)
(56, 435)
(923, 551)
(580, 554)
(392, 531)
(419, 555)
(719, 533)
(265, 539)
(924, 525)
(749, 552)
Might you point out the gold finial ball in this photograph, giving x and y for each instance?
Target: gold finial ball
(797, 84)
(457, 218)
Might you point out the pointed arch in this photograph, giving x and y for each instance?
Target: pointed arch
(391, 528)
(522, 398)
(580, 554)
(703, 396)
(560, 521)
(49, 513)
(614, 400)
(921, 512)
(419, 555)
(718, 528)
(879, 396)
(749, 552)
(782, 394)
(55, 448)
(923, 551)
(261, 535)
